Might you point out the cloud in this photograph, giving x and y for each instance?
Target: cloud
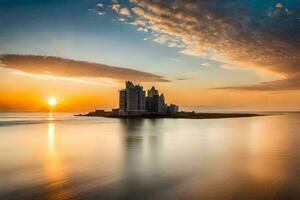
(161, 39)
(61, 67)
(182, 79)
(119, 10)
(206, 64)
(101, 13)
(140, 29)
(284, 84)
(99, 5)
(138, 23)
(125, 11)
(279, 5)
(116, 7)
(138, 11)
(236, 33)
(122, 19)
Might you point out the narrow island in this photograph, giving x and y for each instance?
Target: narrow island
(133, 103)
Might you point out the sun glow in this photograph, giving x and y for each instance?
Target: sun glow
(52, 102)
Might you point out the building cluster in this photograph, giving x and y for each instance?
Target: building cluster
(133, 100)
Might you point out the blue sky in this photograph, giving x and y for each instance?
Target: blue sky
(71, 29)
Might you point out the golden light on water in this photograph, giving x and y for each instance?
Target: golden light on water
(55, 167)
(51, 138)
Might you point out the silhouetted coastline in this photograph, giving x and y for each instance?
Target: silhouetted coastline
(179, 115)
(133, 103)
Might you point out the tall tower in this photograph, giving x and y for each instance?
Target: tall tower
(122, 100)
(142, 98)
(152, 92)
(132, 98)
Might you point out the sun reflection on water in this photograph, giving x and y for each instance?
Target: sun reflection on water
(50, 116)
(55, 167)
(51, 139)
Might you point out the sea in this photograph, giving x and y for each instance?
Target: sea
(58, 156)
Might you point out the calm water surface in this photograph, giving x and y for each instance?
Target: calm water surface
(63, 157)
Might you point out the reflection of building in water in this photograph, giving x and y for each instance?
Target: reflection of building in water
(143, 142)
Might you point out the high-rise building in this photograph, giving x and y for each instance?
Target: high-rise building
(132, 98)
(141, 99)
(161, 104)
(152, 92)
(155, 102)
(122, 100)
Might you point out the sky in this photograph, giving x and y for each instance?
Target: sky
(235, 55)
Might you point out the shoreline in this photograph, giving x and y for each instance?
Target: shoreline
(179, 115)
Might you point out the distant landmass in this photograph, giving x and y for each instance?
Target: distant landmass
(133, 103)
(178, 115)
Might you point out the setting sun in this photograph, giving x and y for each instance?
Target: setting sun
(52, 102)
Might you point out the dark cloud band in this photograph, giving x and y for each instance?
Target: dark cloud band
(62, 67)
(285, 84)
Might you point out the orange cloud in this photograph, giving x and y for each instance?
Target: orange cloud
(284, 84)
(62, 67)
(239, 36)
(138, 11)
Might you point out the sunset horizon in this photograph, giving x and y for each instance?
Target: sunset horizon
(85, 53)
(149, 99)
(237, 99)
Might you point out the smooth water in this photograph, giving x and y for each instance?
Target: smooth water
(64, 157)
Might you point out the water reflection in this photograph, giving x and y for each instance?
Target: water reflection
(50, 116)
(144, 170)
(94, 158)
(270, 156)
(54, 167)
(143, 146)
(51, 139)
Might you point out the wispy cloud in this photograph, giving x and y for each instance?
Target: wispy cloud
(140, 29)
(100, 5)
(125, 11)
(116, 7)
(235, 33)
(122, 11)
(101, 13)
(139, 11)
(61, 67)
(138, 23)
(284, 84)
(206, 64)
(177, 60)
